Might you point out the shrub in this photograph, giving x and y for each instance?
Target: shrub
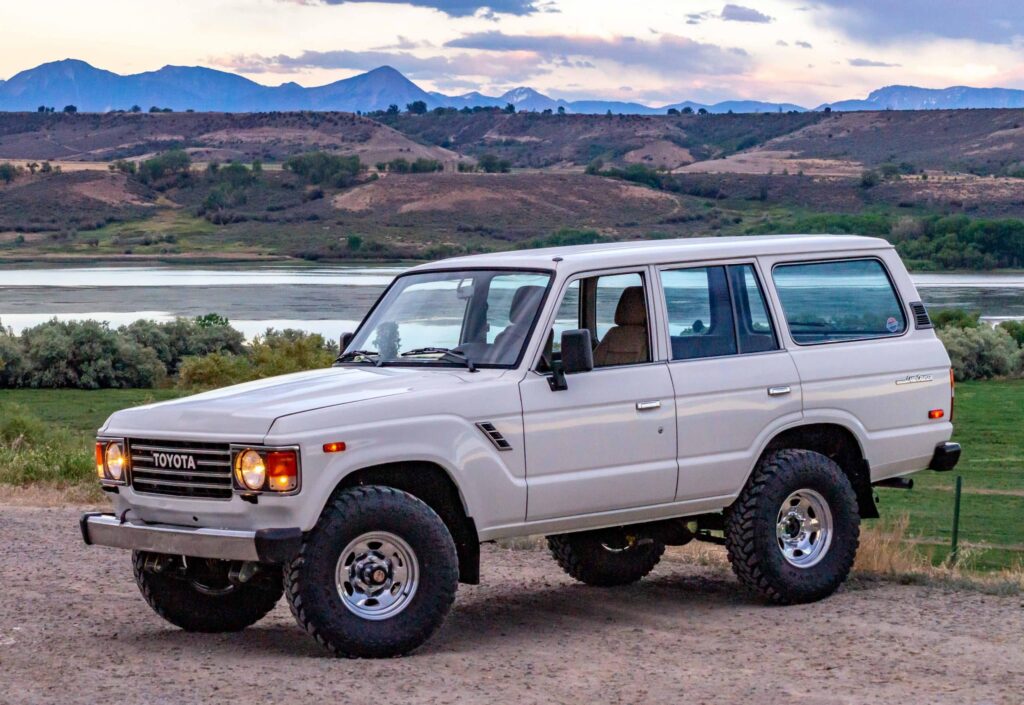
(167, 165)
(325, 169)
(869, 179)
(981, 353)
(955, 318)
(1015, 329)
(86, 355)
(215, 370)
(492, 164)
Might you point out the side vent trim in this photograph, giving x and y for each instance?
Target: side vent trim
(499, 441)
(921, 317)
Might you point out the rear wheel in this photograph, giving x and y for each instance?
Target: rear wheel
(792, 535)
(197, 595)
(605, 558)
(376, 577)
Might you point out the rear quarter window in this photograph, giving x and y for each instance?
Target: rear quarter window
(827, 302)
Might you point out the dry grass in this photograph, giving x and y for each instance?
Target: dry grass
(886, 553)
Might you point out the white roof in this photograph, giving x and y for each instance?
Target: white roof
(642, 252)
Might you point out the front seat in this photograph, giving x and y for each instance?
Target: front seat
(626, 342)
(520, 315)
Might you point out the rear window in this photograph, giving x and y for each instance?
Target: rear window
(826, 302)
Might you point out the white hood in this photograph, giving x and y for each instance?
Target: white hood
(245, 412)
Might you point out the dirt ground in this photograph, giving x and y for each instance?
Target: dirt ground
(73, 629)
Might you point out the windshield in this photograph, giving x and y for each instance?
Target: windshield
(464, 318)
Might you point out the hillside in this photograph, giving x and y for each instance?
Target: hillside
(207, 136)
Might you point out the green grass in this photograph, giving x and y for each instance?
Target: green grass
(46, 435)
(989, 424)
(58, 427)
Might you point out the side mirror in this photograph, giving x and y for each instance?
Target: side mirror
(577, 356)
(346, 340)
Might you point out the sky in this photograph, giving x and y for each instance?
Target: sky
(651, 51)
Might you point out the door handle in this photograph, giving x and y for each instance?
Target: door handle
(779, 391)
(647, 405)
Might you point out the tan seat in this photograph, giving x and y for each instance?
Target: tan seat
(626, 343)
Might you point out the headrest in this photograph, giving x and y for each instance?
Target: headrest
(524, 303)
(632, 310)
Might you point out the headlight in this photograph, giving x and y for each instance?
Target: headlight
(266, 470)
(111, 462)
(250, 470)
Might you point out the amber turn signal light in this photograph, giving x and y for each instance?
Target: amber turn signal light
(336, 447)
(282, 470)
(936, 414)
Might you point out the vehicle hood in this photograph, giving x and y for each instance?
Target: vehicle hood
(245, 412)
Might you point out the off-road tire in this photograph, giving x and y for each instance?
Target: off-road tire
(311, 585)
(585, 557)
(750, 528)
(178, 601)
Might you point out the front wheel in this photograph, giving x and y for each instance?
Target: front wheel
(376, 577)
(792, 535)
(198, 596)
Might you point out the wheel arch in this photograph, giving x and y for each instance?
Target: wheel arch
(434, 486)
(839, 443)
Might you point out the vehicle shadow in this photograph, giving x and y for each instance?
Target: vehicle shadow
(502, 611)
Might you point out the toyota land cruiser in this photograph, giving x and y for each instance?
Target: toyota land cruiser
(617, 398)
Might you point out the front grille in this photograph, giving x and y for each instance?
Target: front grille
(180, 468)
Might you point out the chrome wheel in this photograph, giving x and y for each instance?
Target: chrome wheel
(803, 529)
(377, 575)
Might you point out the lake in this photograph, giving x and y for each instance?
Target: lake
(326, 300)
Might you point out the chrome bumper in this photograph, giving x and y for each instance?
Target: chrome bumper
(264, 546)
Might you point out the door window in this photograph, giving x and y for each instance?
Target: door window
(700, 319)
(614, 309)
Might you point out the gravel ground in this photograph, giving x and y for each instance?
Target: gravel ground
(73, 629)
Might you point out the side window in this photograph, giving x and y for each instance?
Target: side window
(614, 309)
(700, 322)
(826, 302)
(753, 324)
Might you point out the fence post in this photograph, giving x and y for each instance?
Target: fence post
(955, 549)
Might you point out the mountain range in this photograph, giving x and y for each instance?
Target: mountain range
(89, 89)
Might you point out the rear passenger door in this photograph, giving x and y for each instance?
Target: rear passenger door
(735, 385)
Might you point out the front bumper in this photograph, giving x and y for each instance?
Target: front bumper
(264, 545)
(946, 456)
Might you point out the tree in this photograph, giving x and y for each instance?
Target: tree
(828, 109)
(417, 107)
(702, 111)
(41, 109)
(687, 110)
(32, 166)
(393, 109)
(510, 108)
(70, 109)
(561, 110)
(136, 109)
(491, 164)
(154, 109)
(546, 111)
(7, 172)
(673, 111)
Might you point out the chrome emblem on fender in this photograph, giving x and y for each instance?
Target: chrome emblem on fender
(915, 379)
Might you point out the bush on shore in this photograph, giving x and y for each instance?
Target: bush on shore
(978, 351)
(200, 352)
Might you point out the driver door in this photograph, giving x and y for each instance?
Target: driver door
(608, 442)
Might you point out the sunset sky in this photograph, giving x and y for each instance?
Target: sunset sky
(653, 51)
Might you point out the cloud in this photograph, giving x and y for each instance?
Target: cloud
(803, 45)
(498, 68)
(875, 22)
(868, 63)
(666, 53)
(782, 43)
(738, 13)
(453, 8)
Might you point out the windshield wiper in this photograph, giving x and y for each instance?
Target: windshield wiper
(444, 352)
(352, 354)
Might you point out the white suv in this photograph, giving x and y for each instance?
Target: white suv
(616, 398)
